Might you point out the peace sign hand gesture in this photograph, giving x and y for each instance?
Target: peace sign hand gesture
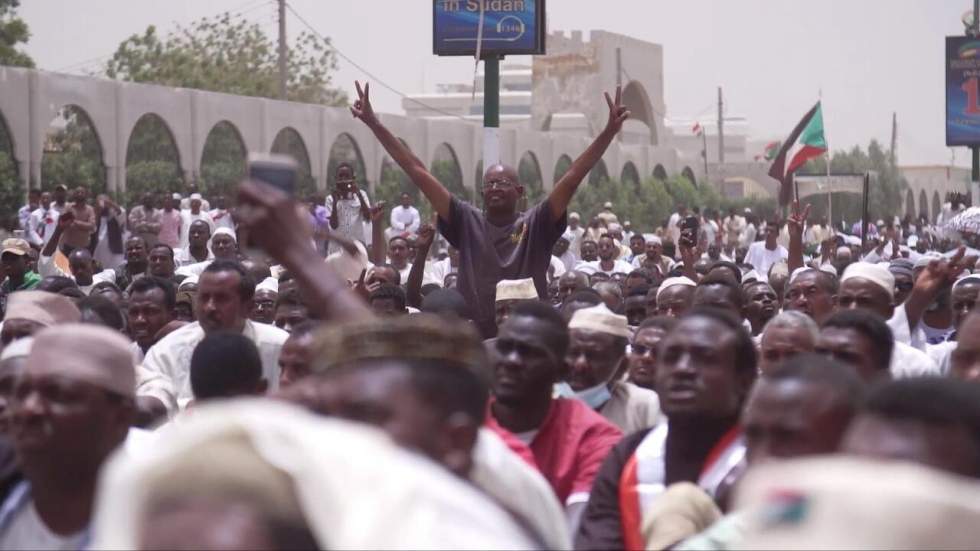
(797, 220)
(617, 111)
(362, 106)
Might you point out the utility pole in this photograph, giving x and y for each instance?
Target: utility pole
(619, 67)
(892, 155)
(721, 129)
(283, 76)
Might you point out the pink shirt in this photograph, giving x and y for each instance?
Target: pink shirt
(170, 228)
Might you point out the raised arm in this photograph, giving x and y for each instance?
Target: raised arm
(413, 287)
(434, 191)
(565, 188)
(796, 222)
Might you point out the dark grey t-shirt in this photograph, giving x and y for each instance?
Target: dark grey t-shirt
(489, 253)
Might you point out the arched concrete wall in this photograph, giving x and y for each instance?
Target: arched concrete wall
(30, 99)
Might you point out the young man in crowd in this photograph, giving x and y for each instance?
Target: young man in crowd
(350, 210)
(501, 244)
(144, 220)
(136, 264)
(152, 305)
(15, 274)
(609, 262)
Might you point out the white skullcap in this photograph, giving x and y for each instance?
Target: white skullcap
(225, 231)
(20, 348)
(614, 227)
(349, 267)
(926, 259)
(84, 352)
(574, 215)
(780, 268)
(829, 269)
(600, 319)
(268, 284)
(176, 196)
(751, 275)
(196, 196)
(671, 281)
(652, 238)
(966, 279)
(798, 272)
(42, 307)
(843, 250)
(189, 280)
(607, 205)
(516, 289)
(875, 273)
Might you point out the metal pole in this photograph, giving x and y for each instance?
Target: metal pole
(283, 75)
(704, 152)
(491, 111)
(864, 211)
(721, 129)
(619, 67)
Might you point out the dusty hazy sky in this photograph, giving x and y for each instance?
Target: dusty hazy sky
(869, 57)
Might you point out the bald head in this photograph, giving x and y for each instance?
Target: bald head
(80, 263)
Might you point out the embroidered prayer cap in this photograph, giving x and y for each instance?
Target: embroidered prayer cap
(224, 231)
(841, 502)
(600, 319)
(16, 246)
(902, 266)
(671, 281)
(414, 337)
(90, 353)
(42, 307)
(516, 289)
(19, 348)
(268, 284)
(652, 238)
(875, 273)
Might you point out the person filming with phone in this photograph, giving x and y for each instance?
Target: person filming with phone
(350, 210)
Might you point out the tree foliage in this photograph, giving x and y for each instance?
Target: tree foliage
(223, 160)
(11, 188)
(222, 54)
(152, 161)
(13, 31)
(289, 142)
(73, 154)
(885, 194)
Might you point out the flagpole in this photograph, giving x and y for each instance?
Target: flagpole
(704, 152)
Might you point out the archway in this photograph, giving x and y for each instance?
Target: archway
(289, 142)
(11, 188)
(923, 203)
(630, 174)
(561, 167)
(529, 173)
(599, 174)
(394, 182)
(936, 205)
(152, 159)
(910, 203)
(635, 99)
(346, 150)
(223, 159)
(689, 174)
(445, 167)
(660, 173)
(73, 152)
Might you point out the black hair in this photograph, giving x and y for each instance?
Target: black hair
(224, 364)
(246, 286)
(825, 280)
(304, 328)
(446, 301)
(642, 272)
(387, 291)
(872, 327)
(429, 288)
(547, 315)
(639, 291)
(148, 283)
(930, 400)
(55, 284)
(107, 313)
(745, 354)
(290, 297)
(726, 281)
(398, 274)
(588, 295)
(736, 272)
(163, 246)
(849, 390)
(450, 388)
(105, 285)
(662, 322)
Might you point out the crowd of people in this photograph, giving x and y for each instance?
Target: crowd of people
(272, 373)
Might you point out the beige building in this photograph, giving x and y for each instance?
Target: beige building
(928, 186)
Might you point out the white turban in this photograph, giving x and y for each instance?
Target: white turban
(875, 273)
(600, 319)
(652, 238)
(268, 284)
(671, 281)
(20, 348)
(225, 231)
(516, 289)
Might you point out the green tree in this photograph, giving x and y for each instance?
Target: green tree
(223, 160)
(11, 189)
(221, 54)
(72, 154)
(152, 161)
(289, 142)
(13, 31)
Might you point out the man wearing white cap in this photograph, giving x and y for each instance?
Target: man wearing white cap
(70, 408)
(963, 300)
(223, 245)
(509, 293)
(871, 287)
(30, 311)
(577, 232)
(192, 214)
(609, 262)
(595, 357)
(675, 296)
(653, 257)
(607, 216)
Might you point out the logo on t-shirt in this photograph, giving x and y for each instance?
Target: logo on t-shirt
(519, 235)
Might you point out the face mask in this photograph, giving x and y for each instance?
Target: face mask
(562, 390)
(596, 396)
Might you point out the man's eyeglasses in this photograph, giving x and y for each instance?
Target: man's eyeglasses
(499, 184)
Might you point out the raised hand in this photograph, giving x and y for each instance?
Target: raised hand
(617, 111)
(273, 222)
(797, 220)
(425, 236)
(941, 272)
(362, 106)
(377, 211)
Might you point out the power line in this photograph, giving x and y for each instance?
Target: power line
(372, 76)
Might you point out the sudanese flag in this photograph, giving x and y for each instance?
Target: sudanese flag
(804, 143)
